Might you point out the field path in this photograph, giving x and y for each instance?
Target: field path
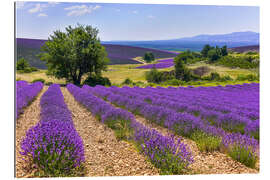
(105, 156)
(205, 163)
(29, 118)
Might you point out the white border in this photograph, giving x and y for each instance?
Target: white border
(7, 85)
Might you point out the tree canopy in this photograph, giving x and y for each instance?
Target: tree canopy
(149, 56)
(22, 64)
(73, 53)
(214, 53)
(181, 71)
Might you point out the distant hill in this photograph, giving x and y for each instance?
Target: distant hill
(242, 49)
(237, 37)
(118, 54)
(196, 43)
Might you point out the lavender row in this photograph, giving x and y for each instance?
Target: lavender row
(165, 152)
(243, 100)
(184, 124)
(230, 121)
(190, 103)
(25, 93)
(21, 84)
(54, 144)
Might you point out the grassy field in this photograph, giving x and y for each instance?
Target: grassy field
(223, 71)
(29, 77)
(118, 73)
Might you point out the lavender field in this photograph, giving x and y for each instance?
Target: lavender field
(136, 89)
(164, 125)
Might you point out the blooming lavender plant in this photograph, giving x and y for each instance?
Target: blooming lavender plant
(165, 152)
(54, 144)
(242, 148)
(25, 94)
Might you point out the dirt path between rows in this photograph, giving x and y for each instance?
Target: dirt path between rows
(105, 156)
(205, 163)
(29, 118)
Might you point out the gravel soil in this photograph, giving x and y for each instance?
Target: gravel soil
(206, 163)
(104, 154)
(29, 118)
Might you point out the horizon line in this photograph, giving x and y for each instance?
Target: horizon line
(209, 34)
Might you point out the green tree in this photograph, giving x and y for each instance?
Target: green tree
(22, 64)
(181, 71)
(148, 57)
(205, 50)
(73, 53)
(213, 55)
(154, 76)
(224, 51)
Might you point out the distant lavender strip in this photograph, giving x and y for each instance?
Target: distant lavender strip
(25, 93)
(54, 142)
(157, 66)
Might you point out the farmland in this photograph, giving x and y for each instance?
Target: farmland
(146, 124)
(118, 54)
(118, 73)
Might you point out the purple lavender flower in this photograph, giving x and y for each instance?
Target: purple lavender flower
(25, 93)
(54, 136)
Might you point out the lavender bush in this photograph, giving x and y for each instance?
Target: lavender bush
(54, 144)
(25, 94)
(242, 148)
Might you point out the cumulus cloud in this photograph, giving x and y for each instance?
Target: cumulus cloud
(42, 15)
(80, 10)
(38, 8)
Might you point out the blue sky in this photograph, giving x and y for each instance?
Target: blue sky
(134, 21)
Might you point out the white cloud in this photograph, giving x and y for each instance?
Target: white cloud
(52, 3)
(151, 17)
(37, 8)
(42, 15)
(20, 4)
(81, 10)
(96, 7)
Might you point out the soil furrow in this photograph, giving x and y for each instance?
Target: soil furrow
(104, 154)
